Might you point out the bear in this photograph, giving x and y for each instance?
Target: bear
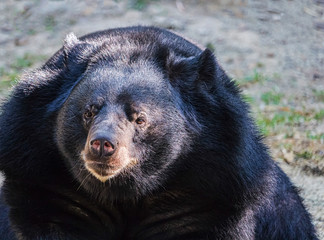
(138, 133)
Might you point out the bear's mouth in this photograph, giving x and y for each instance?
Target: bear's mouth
(104, 169)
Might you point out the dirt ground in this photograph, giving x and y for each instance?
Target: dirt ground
(273, 48)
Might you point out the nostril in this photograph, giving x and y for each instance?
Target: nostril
(109, 148)
(95, 144)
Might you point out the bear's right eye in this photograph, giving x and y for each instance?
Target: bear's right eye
(88, 115)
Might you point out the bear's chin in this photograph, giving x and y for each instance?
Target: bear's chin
(102, 173)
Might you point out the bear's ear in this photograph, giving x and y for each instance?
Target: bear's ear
(192, 71)
(207, 66)
(70, 41)
(75, 53)
(73, 50)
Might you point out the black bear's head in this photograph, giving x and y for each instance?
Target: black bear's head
(125, 122)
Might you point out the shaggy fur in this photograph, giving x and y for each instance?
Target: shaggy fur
(137, 133)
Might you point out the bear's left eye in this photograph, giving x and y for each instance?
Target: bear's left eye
(141, 120)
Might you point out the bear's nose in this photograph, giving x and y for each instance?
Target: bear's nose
(102, 147)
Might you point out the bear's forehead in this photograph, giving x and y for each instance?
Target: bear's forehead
(122, 69)
(122, 84)
(118, 78)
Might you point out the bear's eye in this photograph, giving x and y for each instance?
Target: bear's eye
(90, 112)
(88, 115)
(141, 120)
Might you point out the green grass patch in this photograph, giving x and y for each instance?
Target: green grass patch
(289, 135)
(319, 95)
(7, 78)
(31, 32)
(256, 77)
(140, 4)
(306, 155)
(269, 122)
(50, 23)
(287, 146)
(26, 61)
(271, 98)
(312, 136)
(276, 76)
(319, 115)
(259, 65)
(289, 118)
(263, 127)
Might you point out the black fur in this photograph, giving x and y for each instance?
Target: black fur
(192, 164)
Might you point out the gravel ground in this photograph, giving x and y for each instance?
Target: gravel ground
(277, 42)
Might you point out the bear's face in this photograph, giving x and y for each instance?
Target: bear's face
(123, 111)
(122, 124)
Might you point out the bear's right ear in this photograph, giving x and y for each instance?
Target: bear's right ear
(74, 51)
(76, 57)
(70, 42)
(77, 53)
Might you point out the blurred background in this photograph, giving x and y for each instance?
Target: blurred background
(274, 49)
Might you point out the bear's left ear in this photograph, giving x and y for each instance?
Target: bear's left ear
(193, 70)
(206, 66)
